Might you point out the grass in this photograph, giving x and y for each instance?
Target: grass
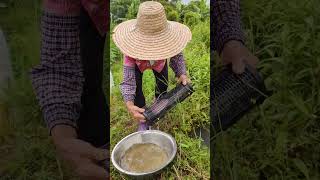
(279, 139)
(192, 161)
(26, 151)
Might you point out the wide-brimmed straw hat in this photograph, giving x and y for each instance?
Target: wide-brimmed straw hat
(151, 36)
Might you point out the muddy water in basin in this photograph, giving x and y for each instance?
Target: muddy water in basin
(144, 157)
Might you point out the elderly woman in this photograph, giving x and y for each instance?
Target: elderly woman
(150, 42)
(68, 82)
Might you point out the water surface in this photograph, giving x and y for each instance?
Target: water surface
(144, 157)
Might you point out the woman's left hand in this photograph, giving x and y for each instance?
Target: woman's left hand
(183, 79)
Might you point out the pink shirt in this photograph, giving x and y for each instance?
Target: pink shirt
(97, 10)
(144, 65)
(128, 85)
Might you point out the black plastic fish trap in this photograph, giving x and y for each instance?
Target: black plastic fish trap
(234, 95)
(166, 102)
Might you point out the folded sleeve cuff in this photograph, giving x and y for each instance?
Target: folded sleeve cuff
(61, 122)
(128, 85)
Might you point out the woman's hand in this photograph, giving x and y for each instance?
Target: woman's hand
(82, 156)
(135, 111)
(238, 55)
(183, 79)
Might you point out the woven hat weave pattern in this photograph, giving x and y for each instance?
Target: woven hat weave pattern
(151, 36)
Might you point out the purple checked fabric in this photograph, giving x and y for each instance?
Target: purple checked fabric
(58, 79)
(225, 22)
(97, 10)
(128, 85)
(177, 64)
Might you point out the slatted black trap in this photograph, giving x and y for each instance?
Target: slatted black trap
(166, 102)
(233, 95)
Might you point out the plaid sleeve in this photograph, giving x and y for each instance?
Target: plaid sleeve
(177, 64)
(226, 22)
(128, 85)
(58, 79)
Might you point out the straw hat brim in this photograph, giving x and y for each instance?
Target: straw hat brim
(143, 46)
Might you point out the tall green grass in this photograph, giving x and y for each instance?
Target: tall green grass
(26, 151)
(279, 139)
(192, 161)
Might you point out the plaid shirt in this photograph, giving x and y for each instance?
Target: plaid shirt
(97, 10)
(225, 22)
(58, 79)
(128, 85)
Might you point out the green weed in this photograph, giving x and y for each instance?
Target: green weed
(192, 161)
(279, 139)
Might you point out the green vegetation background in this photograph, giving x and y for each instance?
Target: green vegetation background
(279, 140)
(192, 161)
(26, 151)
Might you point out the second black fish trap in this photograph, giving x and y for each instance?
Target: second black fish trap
(233, 95)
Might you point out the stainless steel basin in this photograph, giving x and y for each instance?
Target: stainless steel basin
(164, 140)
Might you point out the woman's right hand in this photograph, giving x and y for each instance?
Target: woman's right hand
(135, 111)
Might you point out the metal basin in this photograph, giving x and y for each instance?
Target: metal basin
(163, 140)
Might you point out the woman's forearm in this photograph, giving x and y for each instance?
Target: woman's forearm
(58, 79)
(178, 65)
(226, 23)
(128, 85)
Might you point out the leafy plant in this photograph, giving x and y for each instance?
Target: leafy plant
(279, 139)
(192, 160)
